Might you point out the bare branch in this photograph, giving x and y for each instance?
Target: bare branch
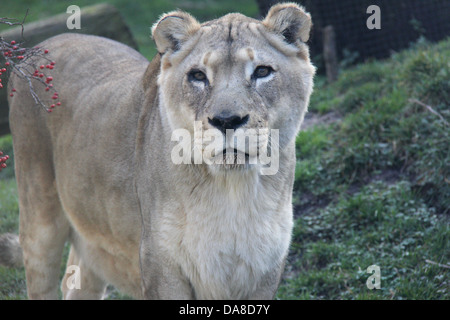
(429, 108)
(438, 264)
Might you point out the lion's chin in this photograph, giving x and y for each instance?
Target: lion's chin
(231, 160)
(231, 169)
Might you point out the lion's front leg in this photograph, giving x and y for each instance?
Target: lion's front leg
(166, 283)
(268, 285)
(161, 277)
(91, 286)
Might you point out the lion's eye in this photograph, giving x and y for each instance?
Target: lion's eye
(262, 72)
(197, 75)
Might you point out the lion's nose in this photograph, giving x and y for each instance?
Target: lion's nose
(225, 121)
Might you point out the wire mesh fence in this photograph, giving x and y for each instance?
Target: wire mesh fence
(402, 22)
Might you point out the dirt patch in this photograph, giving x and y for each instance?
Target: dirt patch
(388, 176)
(313, 119)
(311, 204)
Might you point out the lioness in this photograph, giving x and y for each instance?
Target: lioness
(98, 171)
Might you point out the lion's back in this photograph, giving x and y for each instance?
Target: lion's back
(89, 71)
(94, 128)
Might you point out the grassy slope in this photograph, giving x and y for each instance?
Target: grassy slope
(370, 189)
(373, 188)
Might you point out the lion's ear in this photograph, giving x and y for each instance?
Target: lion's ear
(289, 20)
(173, 29)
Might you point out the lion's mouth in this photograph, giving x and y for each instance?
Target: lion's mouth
(233, 156)
(234, 151)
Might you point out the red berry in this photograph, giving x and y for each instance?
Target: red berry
(45, 51)
(49, 79)
(49, 110)
(3, 165)
(46, 89)
(13, 90)
(13, 42)
(50, 67)
(4, 70)
(52, 63)
(7, 157)
(15, 47)
(11, 95)
(55, 97)
(1, 153)
(58, 104)
(20, 57)
(42, 67)
(1, 86)
(53, 105)
(41, 75)
(7, 64)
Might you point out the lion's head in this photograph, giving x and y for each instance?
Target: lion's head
(236, 73)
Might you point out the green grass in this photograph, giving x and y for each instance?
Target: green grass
(370, 189)
(12, 281)
(381, 128)
(388, 226)
(373, 189)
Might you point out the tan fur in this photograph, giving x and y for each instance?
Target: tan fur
(98, 171)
